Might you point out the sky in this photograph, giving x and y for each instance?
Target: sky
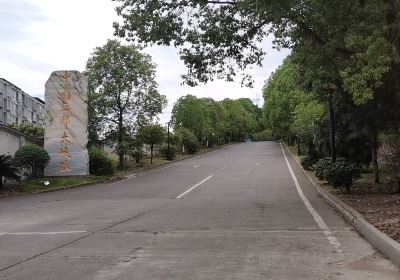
(41, 36)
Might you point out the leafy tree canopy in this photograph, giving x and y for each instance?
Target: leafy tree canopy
(210, 119)
(223, 37)
(123, 91)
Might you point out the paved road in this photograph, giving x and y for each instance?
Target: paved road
(231, 214)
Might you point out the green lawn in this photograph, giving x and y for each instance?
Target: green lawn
(38, 184)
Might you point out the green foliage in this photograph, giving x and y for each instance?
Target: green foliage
(290, 111)
(345, 61)
(358, 40)
(32, 158)
(342, 174)
(168, 153)
(211, 120)
(152, 134)
(190, 112)
(306, 118)
(265, 135)
(240, 122)
(307, 162)
(189, 140)
(29, 129)
(282, 93)
(369, 67)
(320, 167)
(7, 169)
(207, 51)
(100, 163)
(135, 146)
(123, 92)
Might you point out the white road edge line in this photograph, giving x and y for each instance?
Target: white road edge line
(318, 219)
(201, 182)
(42, 233)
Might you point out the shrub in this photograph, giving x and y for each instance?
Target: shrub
(168, 154)
(321, 166)
(100, 163)
(7, 169)
(192, 146)
(32, 158)
(29, 129)
(307, 162)
(342, 174)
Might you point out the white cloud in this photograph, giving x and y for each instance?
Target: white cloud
(41, 36)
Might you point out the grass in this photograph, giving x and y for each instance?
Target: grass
(38, 184)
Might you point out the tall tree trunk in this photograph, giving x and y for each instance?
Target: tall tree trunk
(120, 141)
(151, 153)
(1, 182)
(332, 127)
(298, 146)
(374, 149)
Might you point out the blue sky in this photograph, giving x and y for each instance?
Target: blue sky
(41, 36)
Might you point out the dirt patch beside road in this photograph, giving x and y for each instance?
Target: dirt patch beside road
(381, 210)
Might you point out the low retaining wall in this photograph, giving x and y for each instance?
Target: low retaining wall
(11, 140)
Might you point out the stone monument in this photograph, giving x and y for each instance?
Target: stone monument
(66, 133)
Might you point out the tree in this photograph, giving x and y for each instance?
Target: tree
(212, 120)
(218, 38)
(32, 158)
(188, 139)
(349, 48)
(152, 134)
(7, 169)
(307, 117)
(135, 144)
(216, 121)
(124, 91)
(240, 123)
(190, 112)
(282, 93)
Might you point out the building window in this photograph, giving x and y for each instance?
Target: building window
(14, 108)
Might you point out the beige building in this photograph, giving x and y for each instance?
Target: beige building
(18, 107)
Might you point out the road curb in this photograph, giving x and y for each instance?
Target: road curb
(386, 245)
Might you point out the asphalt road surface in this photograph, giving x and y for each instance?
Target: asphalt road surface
(237, 213)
